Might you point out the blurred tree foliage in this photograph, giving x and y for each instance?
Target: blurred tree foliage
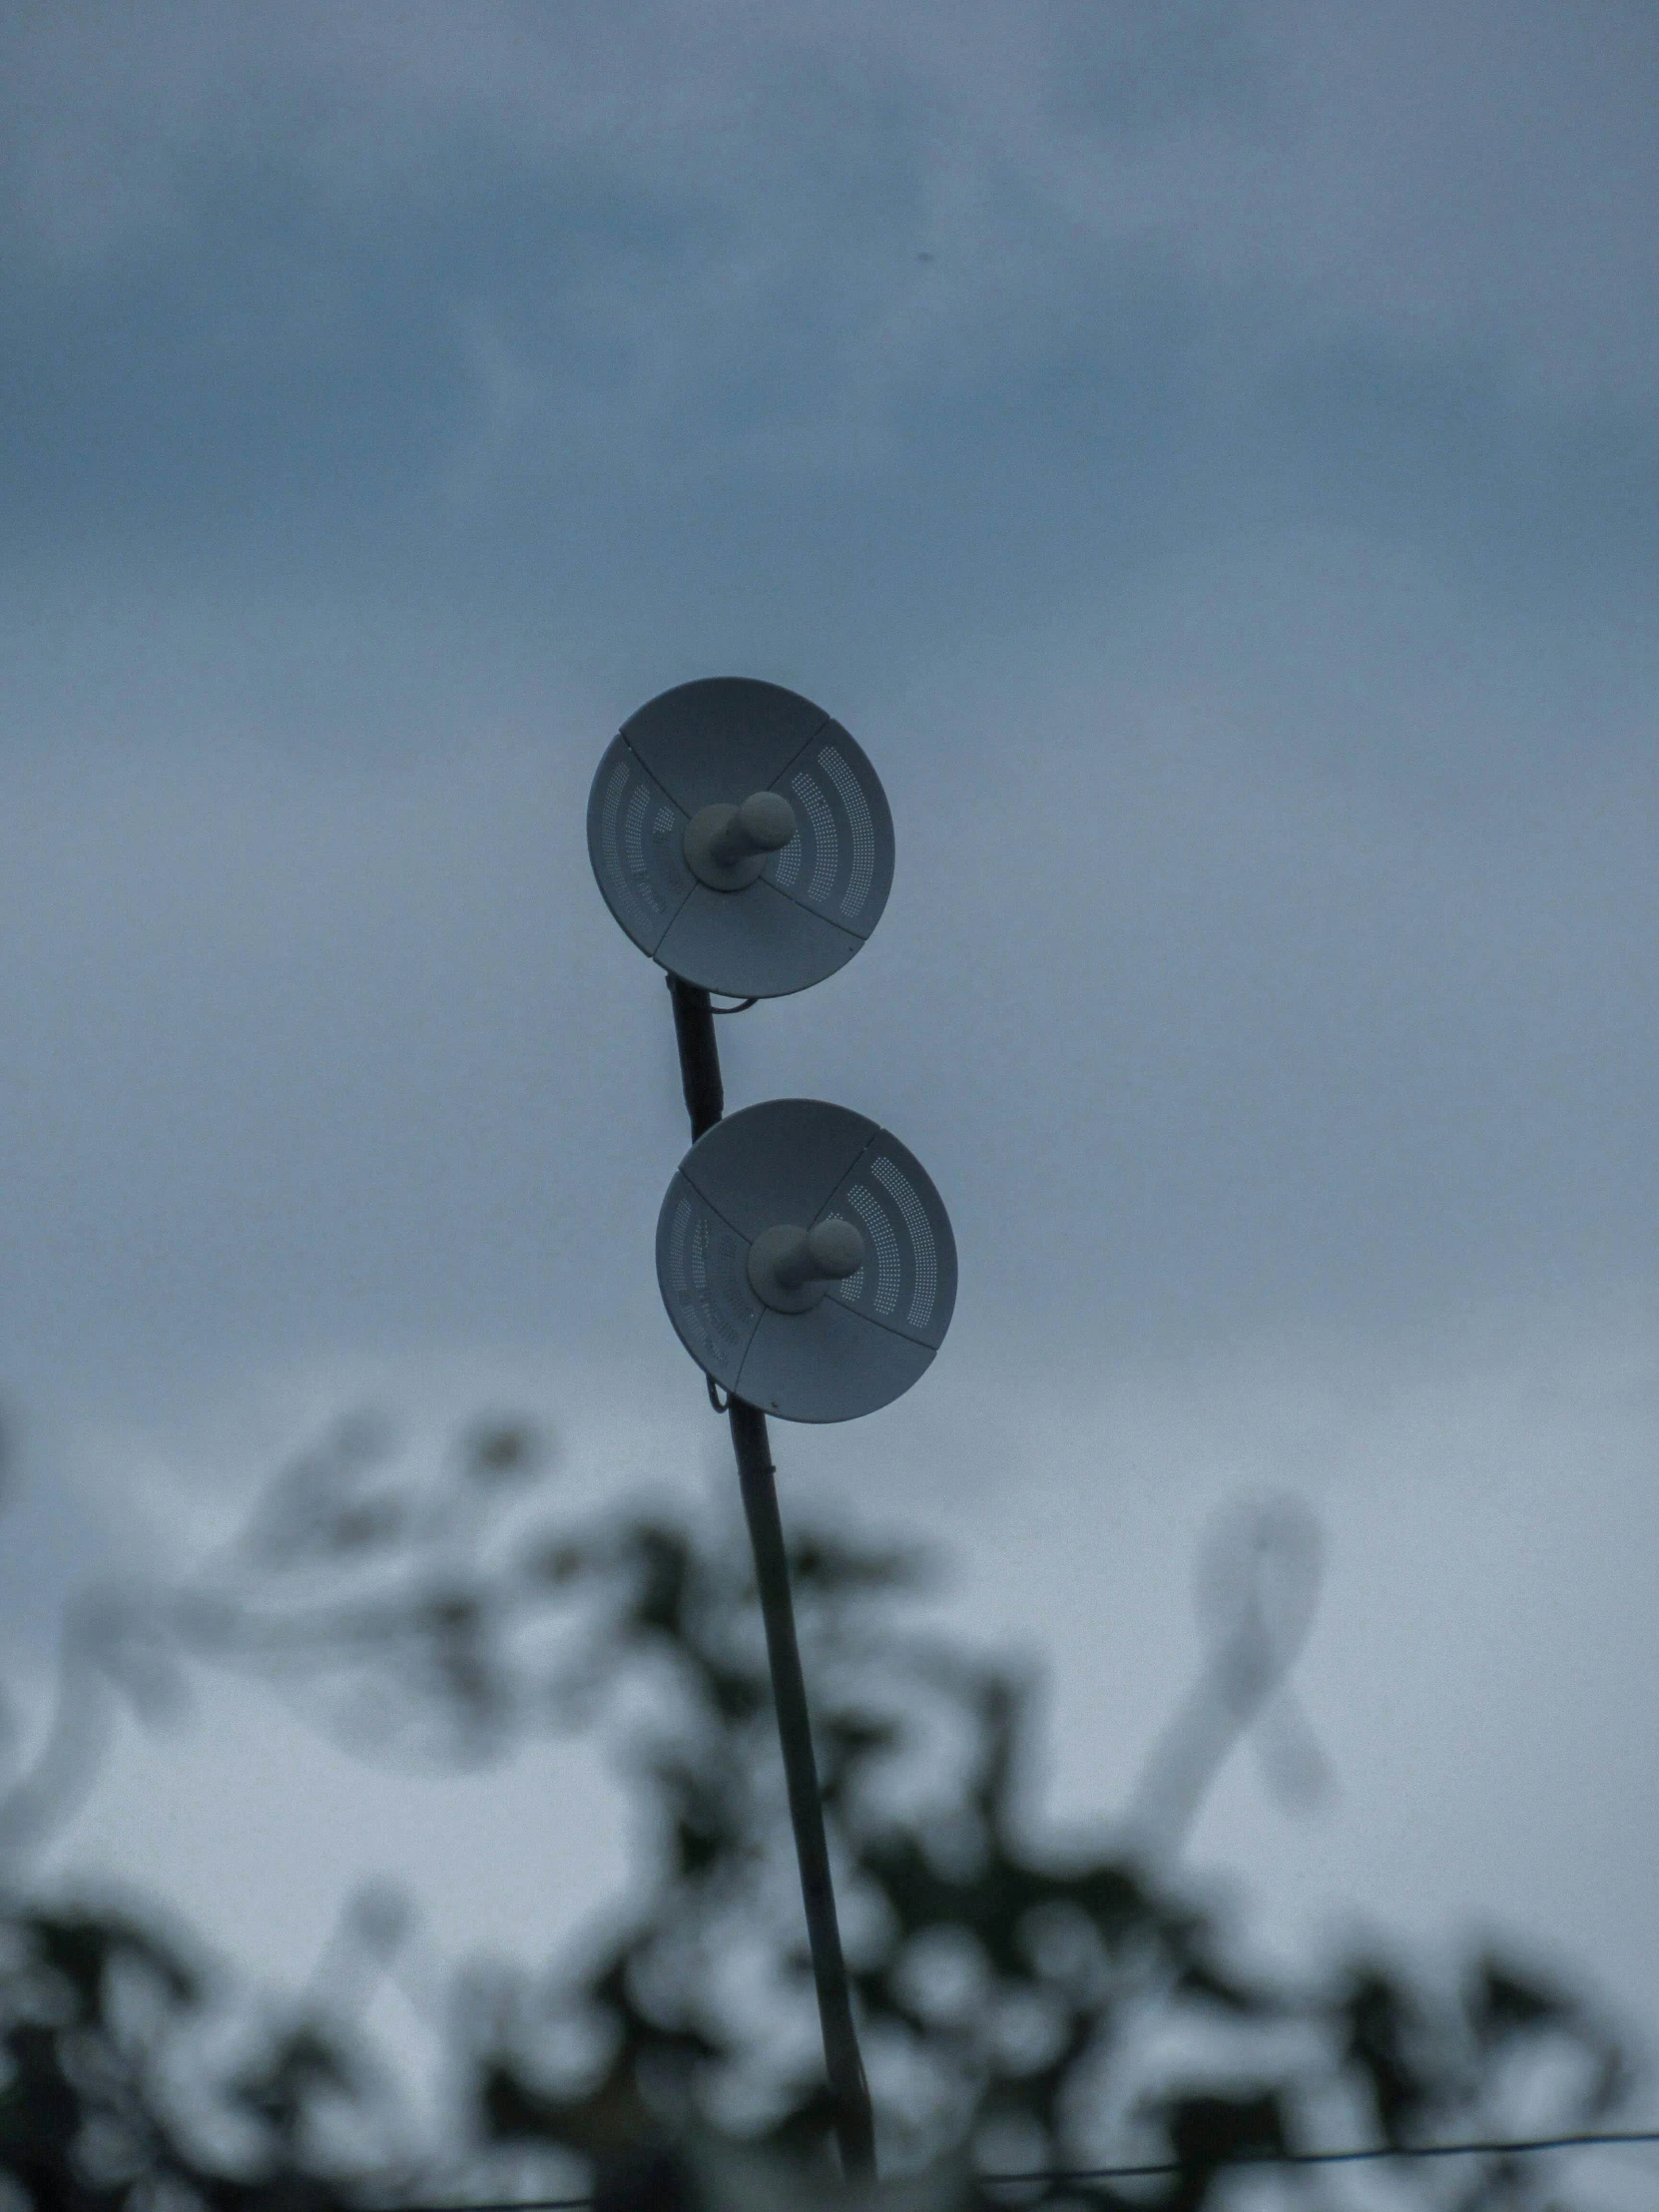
(1025, 2005)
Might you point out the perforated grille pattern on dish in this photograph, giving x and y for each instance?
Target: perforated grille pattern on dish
(864, 834)
(677, 1252)
(789, 863)
(889, 1266)
(636, 836)
(716, 1314)
(826, 843)
(610, 849)
(633, 845)
(924, 1290)
(852, 1287)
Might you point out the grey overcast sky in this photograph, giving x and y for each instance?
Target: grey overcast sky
(1208, 454)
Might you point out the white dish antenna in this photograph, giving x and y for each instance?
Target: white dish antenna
(741, 837)
(806, 1261)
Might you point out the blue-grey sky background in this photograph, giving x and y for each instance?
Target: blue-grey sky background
(1208, 456)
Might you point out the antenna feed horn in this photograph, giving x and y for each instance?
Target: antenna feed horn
(790, 1268)
(727, 846)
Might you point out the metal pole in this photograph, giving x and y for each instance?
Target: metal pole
(855, 2122)
(693, 1031)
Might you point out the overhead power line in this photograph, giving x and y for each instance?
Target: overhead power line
(1486, 2149)
(1059, 2176)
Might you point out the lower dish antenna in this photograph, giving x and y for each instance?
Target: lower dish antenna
(806, 1261)
(741, 836)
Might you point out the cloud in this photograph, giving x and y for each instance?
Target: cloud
(1205, 455)
(707, 188)
(1264, 944)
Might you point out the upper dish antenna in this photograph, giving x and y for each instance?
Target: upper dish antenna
(806, 1261)
(741, 836)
